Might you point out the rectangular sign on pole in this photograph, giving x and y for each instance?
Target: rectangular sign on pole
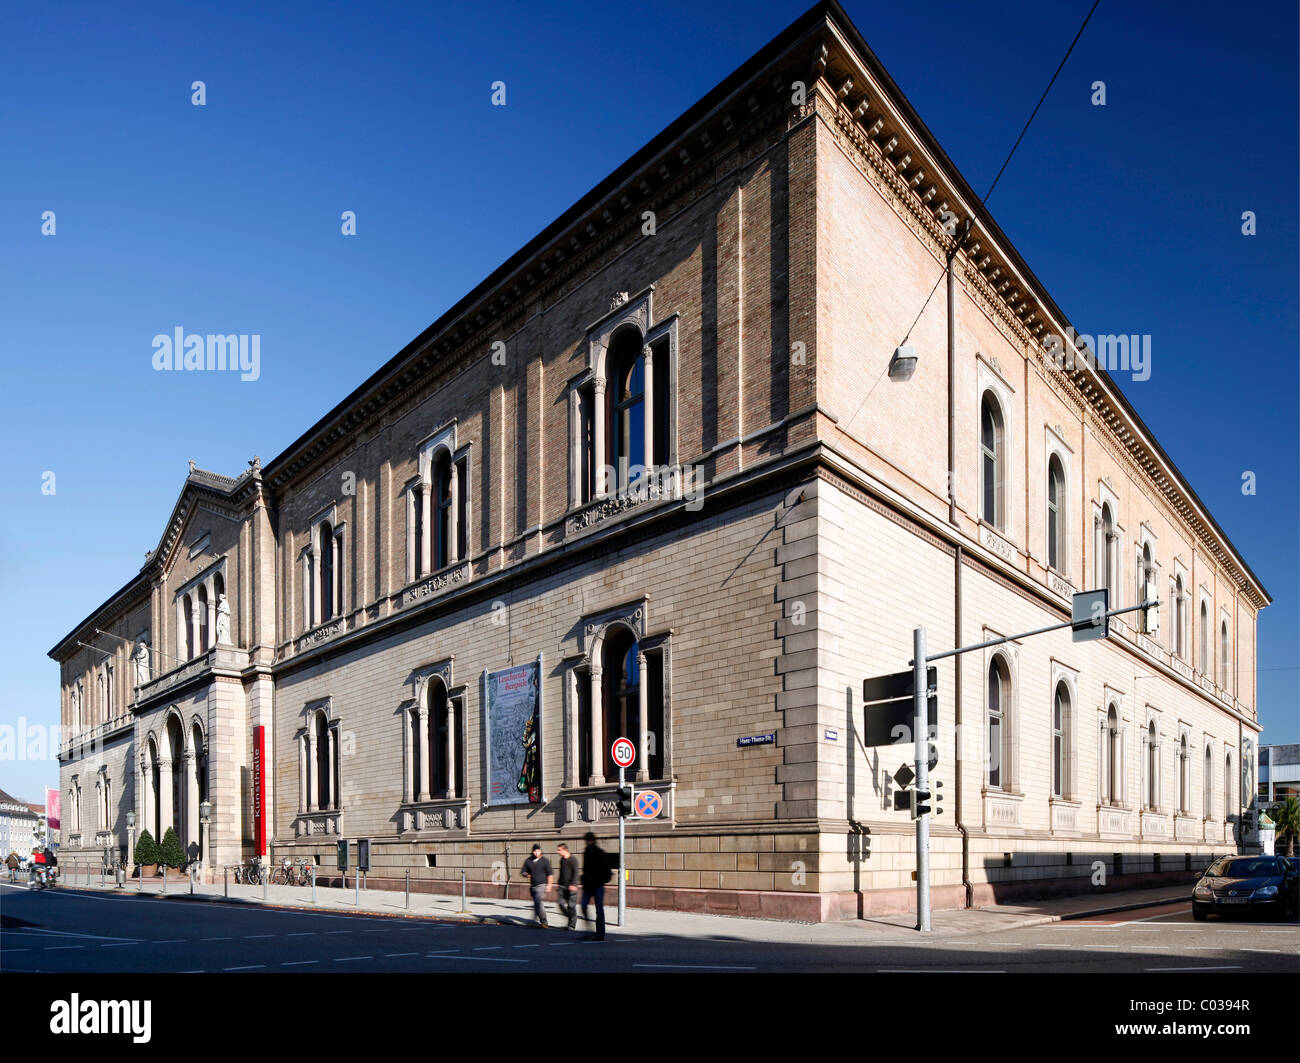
(887, 722)
(259, 790)
(1088, 619)
(897, 685)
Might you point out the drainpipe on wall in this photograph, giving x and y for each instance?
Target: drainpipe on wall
(952, 519)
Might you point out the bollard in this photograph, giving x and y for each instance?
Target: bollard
(191, 871)
(266, 877)
(225, 884)
(164, 880)
(357, 881)
(141, 867)
(408, 887)
(463, 906)
(313, 884)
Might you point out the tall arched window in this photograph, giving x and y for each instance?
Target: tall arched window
(442, 512)
(999, 706)
(1227, 787)
(1153, 768)
(1205, 639)
(324, 763)
(992, 460)
(1061, 727)
(1184, 776)
(418, 533)
(1056, 514)
(1148, 590)
(1112, 773)
(325, 551)
(627, 407)
(188, 607)
(622, 682)
(1225, 667)
(1108, 551)
(203, 618)
(1180, 618)
(1209, 783)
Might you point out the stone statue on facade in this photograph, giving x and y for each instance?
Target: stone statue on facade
(223, 620)
(141, 658)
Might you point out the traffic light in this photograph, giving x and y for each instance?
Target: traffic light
(624, 801)
(922, 808)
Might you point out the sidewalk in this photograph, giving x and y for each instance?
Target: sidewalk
(643, 921)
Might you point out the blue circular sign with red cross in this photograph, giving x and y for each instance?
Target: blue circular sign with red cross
(648, 804)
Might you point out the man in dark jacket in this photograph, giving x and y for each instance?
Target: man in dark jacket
(537, 869)
(595, 875)
(568, 885)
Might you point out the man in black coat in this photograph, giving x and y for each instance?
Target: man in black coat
(595, 876)
(537, 869)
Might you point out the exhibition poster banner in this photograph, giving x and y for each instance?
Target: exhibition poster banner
(514, 723)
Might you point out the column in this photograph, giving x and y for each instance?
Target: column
(182, 644)
(165, 808)
(412, 500)
(313, 581)
(145, 820)
(575, 447)
(302, 774)
(423, 739)
(643, 703)
(312, 767)
(453, 527)
(212, 624)
(648, 408)
(597, 729)
(449, 747)
(598, 458)
(408, 765)
(426, 539)
(191, 802)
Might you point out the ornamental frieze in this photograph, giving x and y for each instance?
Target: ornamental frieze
(608, 508)
(436, 584)
(321, 634)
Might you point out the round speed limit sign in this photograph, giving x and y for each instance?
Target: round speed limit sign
(623, 752)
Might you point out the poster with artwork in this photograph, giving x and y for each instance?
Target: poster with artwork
(514, 721)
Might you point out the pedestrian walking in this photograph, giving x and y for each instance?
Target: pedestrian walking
(568, 885)
(537, 869)
(595, 876)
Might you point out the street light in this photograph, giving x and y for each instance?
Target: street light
(130, 830)
(903, 364)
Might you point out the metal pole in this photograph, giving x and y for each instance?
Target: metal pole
(141, 868)
(356, 880)
(408, 887)
(225, 882)
(921, 733)
(463, 906)
(622, 877)
(266, 877)
(313, 884)
(164, 880)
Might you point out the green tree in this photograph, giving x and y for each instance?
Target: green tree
(170, 852)
(1286, 818)
(146, 849)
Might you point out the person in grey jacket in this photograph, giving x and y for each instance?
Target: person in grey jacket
(537, 869)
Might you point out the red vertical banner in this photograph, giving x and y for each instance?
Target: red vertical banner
(259, 790)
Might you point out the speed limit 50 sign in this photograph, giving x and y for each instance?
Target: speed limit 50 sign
(623, 752)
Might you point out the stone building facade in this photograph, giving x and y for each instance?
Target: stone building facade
(651, 479)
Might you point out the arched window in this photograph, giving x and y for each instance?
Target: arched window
(188, 607)
(324, 789)
(627, 407)
(1225, 674)
(1056, 514)
(622, 681)
(1180, 618)
(203, 618)
(1209, 783)
(1205, 639)
(992, 460)
(443, 527)
(1112, 772)
(1153, 768)
(325, 551)
(417, 519)
(1184, 776)
(1061, 727)
(1108, 551)
(999, 706)
(1227, 787)
(1148, 590)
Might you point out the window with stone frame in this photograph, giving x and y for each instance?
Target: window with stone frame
(435, 744)
(318, 763)
(437, 510)
(1062, 740)
(627, 688)
(999, 723)
(993, 461)
(1057, 514)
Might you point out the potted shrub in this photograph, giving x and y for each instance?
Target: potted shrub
(170, 852)
(146, 852)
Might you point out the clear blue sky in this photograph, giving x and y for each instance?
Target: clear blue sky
(225, 218)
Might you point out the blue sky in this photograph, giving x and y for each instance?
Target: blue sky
(225, 218)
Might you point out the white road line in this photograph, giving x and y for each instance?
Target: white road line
(298, 963)
(1045, 945)
(480, 959)
(214, 939)
(119, 944)
(1153, 946)
(1192, 968)
(168, 941)
(1261, 950)
(56, 948)
(1204, 948)
(250, 967)
(488, 948)
(338, 931)
(68, 934)
(526, 946)
(345, 959)
(248, 937)
(394, 955)
(696, 966)
(929, 970)
(302, 934)
(21, 950)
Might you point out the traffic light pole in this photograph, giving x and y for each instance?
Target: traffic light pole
(921, 733)
(920, 730)
(622, 875)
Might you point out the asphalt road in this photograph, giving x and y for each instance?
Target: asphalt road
(65, 930)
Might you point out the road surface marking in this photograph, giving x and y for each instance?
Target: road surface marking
(21, 950)
(56, 948)
(487, 948)
(1192, 968)
(345, 959)
(1261, 950)
(298, 963)
(394, 955)
(929, 970)
(250, 967)
(69, 934)
(696, 966)
(119, 944)
(338, 931)
(302, 934)
(168, 941)
(526, 946)
(248, 936)
(214, 939)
